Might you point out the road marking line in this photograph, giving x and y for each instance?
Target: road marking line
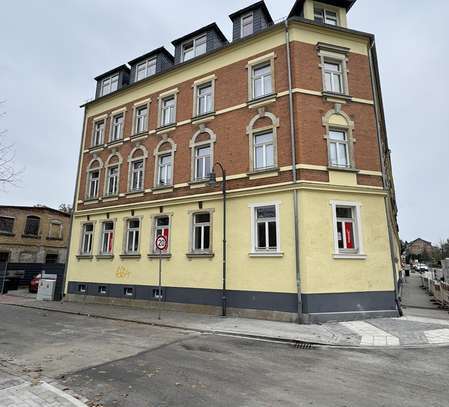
(437, 336)
(371, 335)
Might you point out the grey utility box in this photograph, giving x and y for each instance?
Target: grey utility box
(46, 290)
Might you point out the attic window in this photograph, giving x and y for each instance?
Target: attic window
(325, 16)
(195, 47)
(247, 25)
(109, 85)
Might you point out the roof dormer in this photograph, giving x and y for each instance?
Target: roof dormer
(112, 80)
(250, 20)
(199, 42)
(330, 12)
(151, 63)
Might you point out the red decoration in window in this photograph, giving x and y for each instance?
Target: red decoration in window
(349, 234)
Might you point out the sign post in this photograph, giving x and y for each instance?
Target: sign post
(161, 244)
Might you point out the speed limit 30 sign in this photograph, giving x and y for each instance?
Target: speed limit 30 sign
(161, 242)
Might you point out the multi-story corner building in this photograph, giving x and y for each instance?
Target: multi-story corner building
(35, 234)
(293, 113)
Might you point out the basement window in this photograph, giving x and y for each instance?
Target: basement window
(82, 288)
(157, 294)
(129, 292)
(102, 290)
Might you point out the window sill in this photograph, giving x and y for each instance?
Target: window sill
(266, 254)
(166, 129)
(139, 136)
(104, 256)
(348, 256)
(7, 234)
(332, 95)
(84, 257)
(60, 239)
(345, 169)
(163, 190)
(90, 200)
(31, 236)
(115, 143)
(263, 173)
(110, 198)
(135, 194)
(204, 118)
(200, 255)
(153, 256)
(130, 256)
(262, 101)
(94, 149)
(200, 183)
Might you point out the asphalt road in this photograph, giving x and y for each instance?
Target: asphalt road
(125, 364)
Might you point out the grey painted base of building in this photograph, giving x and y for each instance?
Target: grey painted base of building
(317, 308)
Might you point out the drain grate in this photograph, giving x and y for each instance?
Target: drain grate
(303, 345)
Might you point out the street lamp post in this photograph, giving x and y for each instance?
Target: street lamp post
(213, 183)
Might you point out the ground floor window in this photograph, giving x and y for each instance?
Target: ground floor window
(161, 228)
(132, 236)
(266, 228)
(86, 239)
(51, 258)
(107, 238)
(201, 241)
(347, 228)
(4, 257)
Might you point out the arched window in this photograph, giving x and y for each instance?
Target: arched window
(136, 169)
(164, 158)
(93, 178)
(112, 177)
(340, 141)
(202, 156)
(262, 134)
(32, 226)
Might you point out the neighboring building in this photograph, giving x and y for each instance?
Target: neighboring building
(35, 234)
(420, 247)
(311, 201)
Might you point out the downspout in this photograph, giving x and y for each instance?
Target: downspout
(374, 86)
(72, 216)
(294, 176)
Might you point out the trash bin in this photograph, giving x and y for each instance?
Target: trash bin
(46, 290)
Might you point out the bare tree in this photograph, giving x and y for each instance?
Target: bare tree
(8, 173)
(67, 208)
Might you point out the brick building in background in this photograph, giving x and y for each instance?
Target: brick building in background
(34, 234)
(293, 112)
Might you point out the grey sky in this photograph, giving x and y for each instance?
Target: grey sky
(50, 50)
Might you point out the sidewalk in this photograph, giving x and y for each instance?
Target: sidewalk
(412, 330)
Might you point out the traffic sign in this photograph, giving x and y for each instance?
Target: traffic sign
(161, 242)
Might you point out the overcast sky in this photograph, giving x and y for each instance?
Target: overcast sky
(50, 51)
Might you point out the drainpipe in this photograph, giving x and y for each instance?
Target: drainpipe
(72, 215)
(386, 185)
(294, 176)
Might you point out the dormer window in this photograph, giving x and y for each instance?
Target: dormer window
(109, 85)
(145, 69)
(247, 26)
(194, 48)
(325, 16)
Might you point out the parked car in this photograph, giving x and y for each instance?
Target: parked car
(34, 283)
(423, 268)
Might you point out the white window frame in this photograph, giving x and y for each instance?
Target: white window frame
(127, 236)
(262, 78)
(333, 54)
(194, 47)
(206, 172)
(90, 181)
(108, 178)
(161, 153)
(131, 160)
(147, 64)
(164, 170)
(140, 174)
(102, 237)
(326, 18)
(194, 145)
(141, 121)
(155, 228)
(254, 251)
(98, 132)
(337, 143)
(168, 112)
(264, 149)
(359, 252)
(107, 82)
(112, 135)
(90, 237)
(242, 24)
(208, 97)
(194, 225)
(257, 63)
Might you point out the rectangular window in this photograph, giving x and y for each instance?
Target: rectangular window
(137, 175)
(346, 229)
(86, 239)
(168, 111)
(204, 99)
(128, 291)
(98, 133)
(263, 151)
(92, 183)
(132, 236)
(247, 25)
(55, 230)
(325, 16)
(161, 227)
(145, 69)
(201, 232)
(141, 119)
(112, 181)
(266, 233)
(202, 162)
(164, 176)
(338, 149)
(6, 224)
(117, 127)
(109, 85)
(333, 77)
(262, 80)
(195, 47)
(107, 238)
(102, 289)
(82, 288)
(32, 226)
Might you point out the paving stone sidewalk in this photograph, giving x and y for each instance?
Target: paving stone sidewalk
(411, 330)
(18, 392)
